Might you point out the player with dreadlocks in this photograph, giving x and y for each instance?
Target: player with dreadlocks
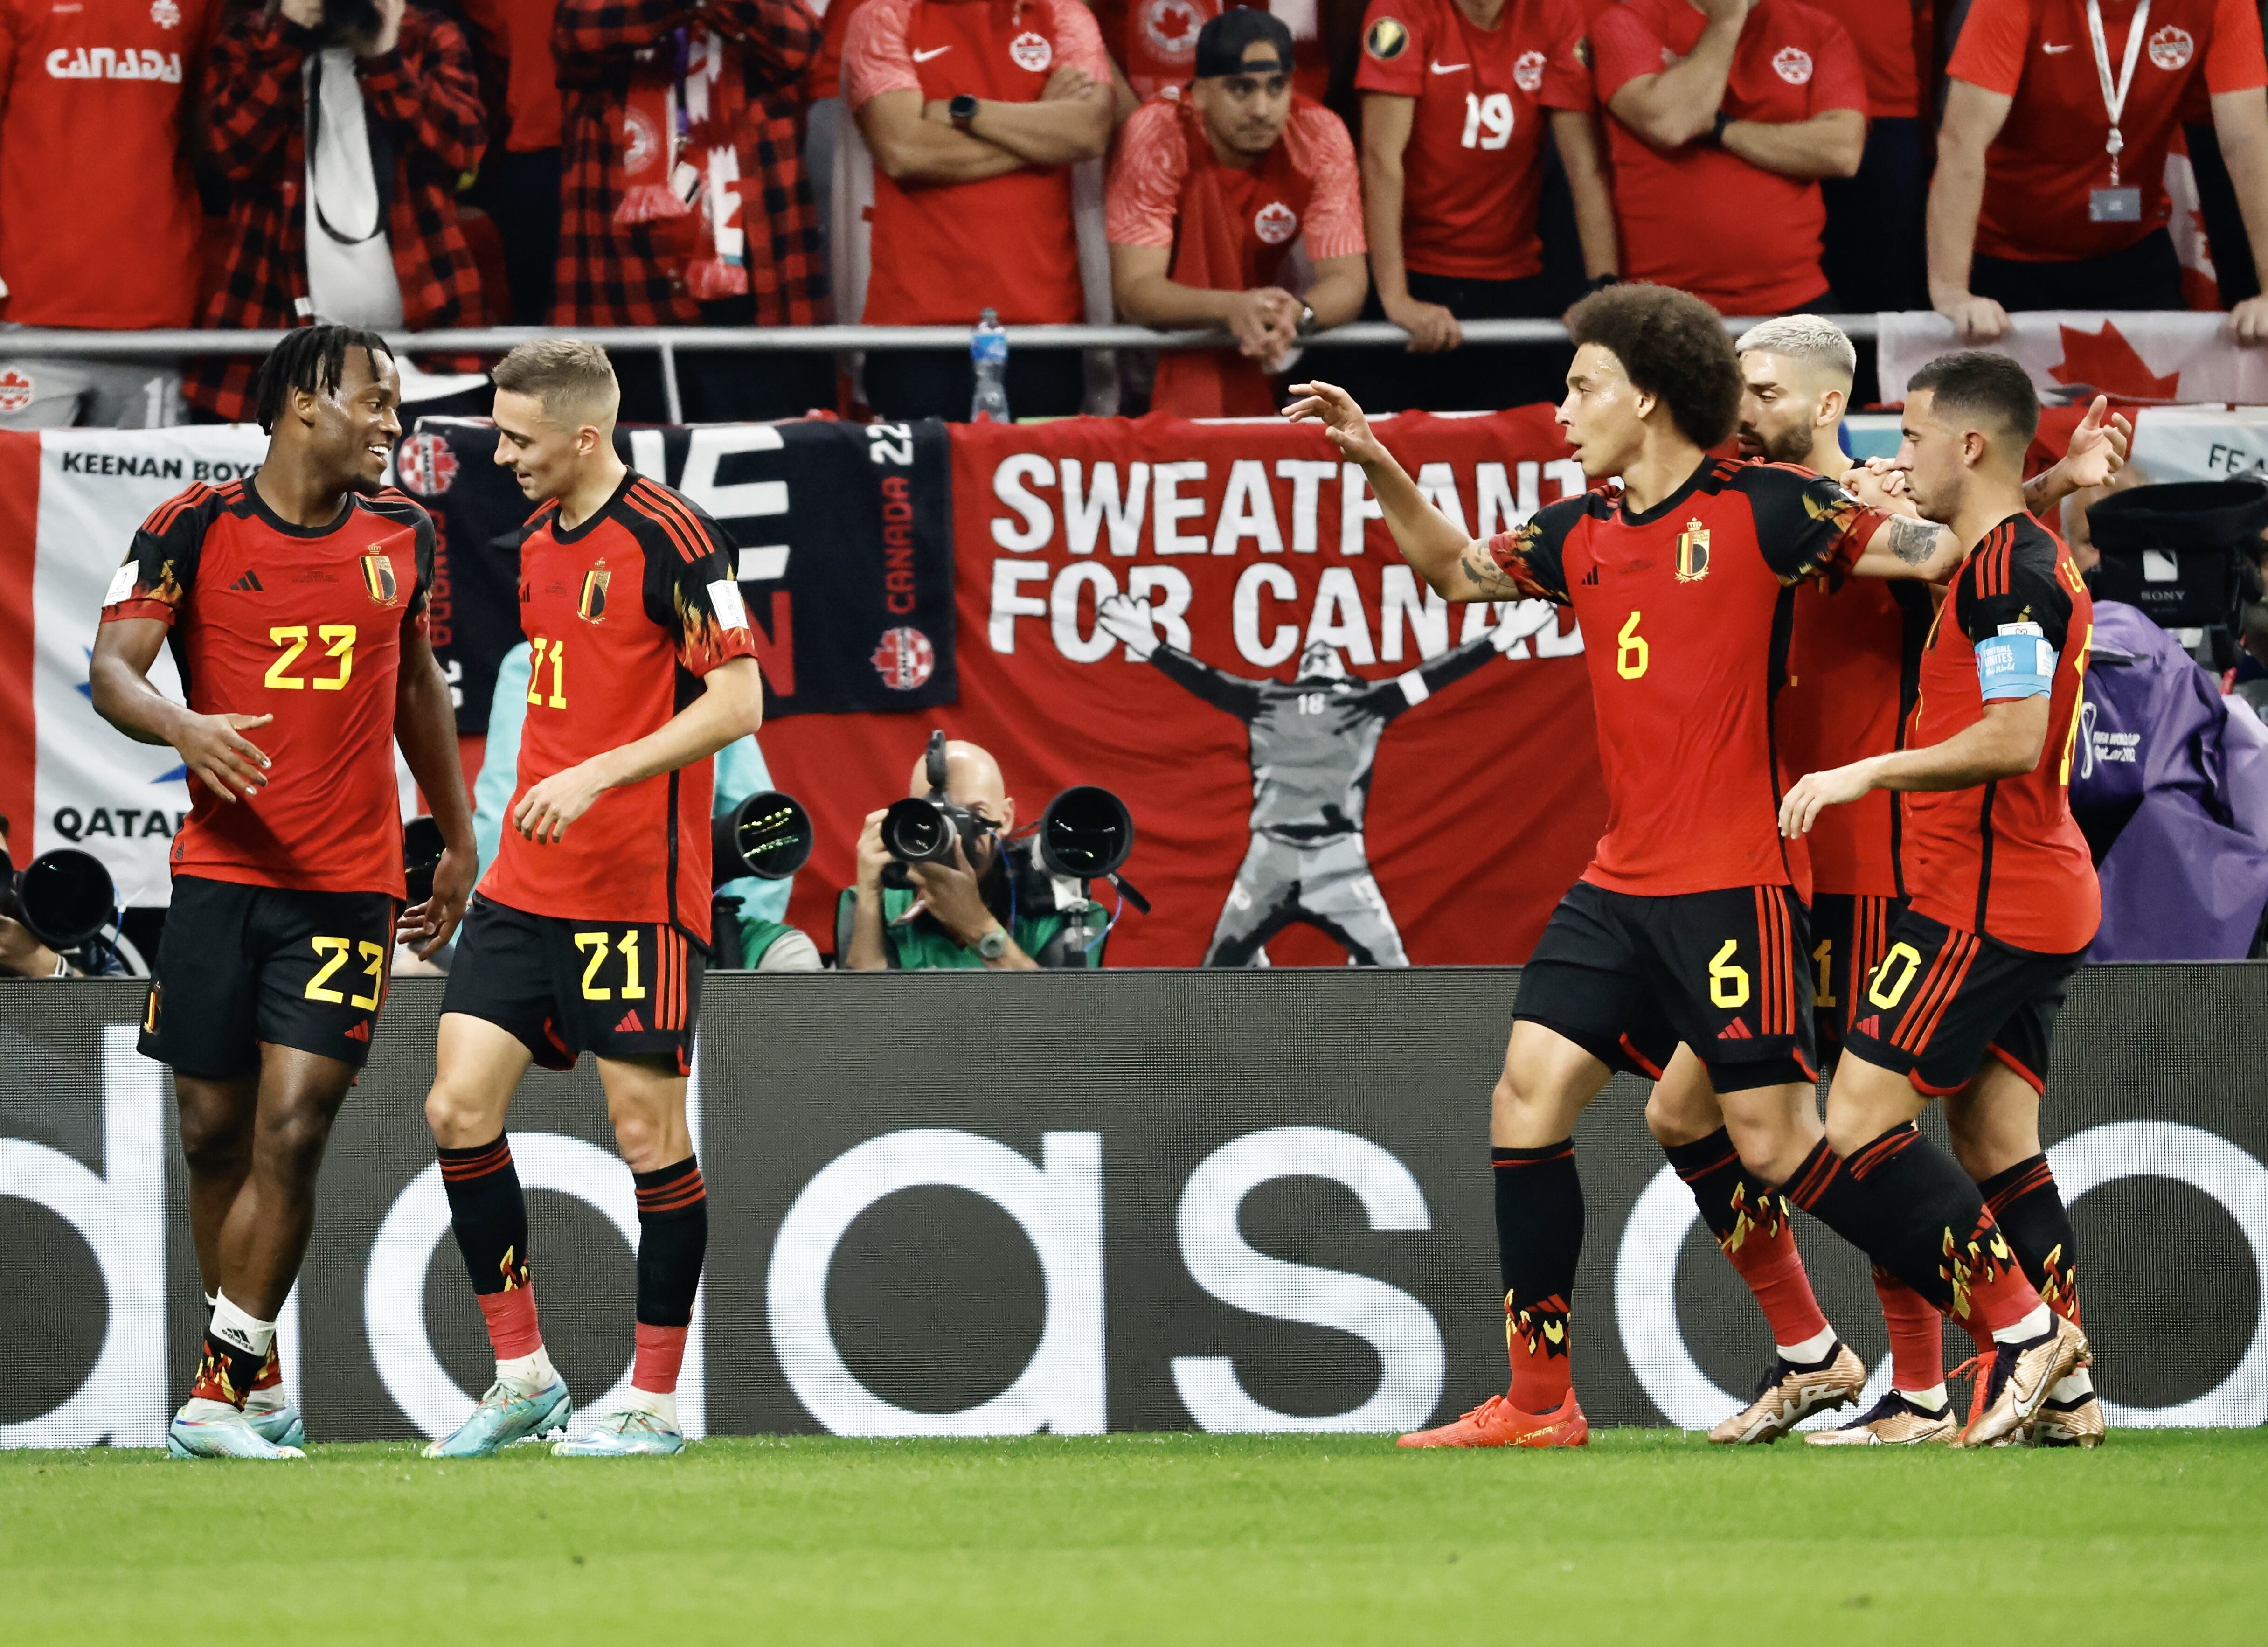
(294, 602)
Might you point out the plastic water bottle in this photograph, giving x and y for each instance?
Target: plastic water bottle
(988, 353)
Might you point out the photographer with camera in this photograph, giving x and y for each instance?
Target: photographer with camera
(986, 902)
(22, 955)
(340, 129)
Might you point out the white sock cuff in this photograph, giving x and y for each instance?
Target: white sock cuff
(246, 1332)
(2071, 1386)
(2039, 1322)
(1932, 1400)
(1812, 1349)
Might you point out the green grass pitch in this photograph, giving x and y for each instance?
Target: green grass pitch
(1647, 1536)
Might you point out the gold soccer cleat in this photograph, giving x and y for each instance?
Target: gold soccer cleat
(1787, 1394)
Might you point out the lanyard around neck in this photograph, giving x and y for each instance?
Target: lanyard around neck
(2114, 98)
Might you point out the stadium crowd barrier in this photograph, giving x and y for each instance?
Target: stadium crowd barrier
(981, 1204)
(668, 341)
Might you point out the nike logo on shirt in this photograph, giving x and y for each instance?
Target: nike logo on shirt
(1447, 68)
(934, 51)
(2053, 51)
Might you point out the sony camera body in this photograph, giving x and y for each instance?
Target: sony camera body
(923, 829)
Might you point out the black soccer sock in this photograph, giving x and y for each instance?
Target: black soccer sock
(1907, 1205)
(1755, 1231)
(2026, 1204)
(1539, 1238)
(488, 1213)
(673, 1239)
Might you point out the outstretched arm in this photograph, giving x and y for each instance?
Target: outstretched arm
(2097, 451)
(1128, 620)
(731, 706)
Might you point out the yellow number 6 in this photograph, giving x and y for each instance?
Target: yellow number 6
(1630, 656)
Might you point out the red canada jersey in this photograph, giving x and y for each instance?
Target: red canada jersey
(1702, 218)
(2049, 156)
(2005, 859)
(1684, 612)
(1893, 40)
(1472, 175)
(1853, 663)
(623, 614)
(305, 623)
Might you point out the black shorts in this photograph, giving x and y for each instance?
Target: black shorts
(239, 965)
(616, 989)
(1850, 935)
(1941, 1000)
(1626, 978)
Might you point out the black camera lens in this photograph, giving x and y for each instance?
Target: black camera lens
(68, 898)
(768, 835)
(916, 830)
(1086, 833)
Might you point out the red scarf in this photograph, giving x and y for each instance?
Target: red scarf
(1224, 247)
(677, 160)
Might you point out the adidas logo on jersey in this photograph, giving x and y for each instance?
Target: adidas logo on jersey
(630, 1025)
(1591, 579)
(250, 581)
(1735, 1030)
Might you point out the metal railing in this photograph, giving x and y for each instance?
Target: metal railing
(668, 341)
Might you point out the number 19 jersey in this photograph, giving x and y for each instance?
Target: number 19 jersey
(1685, 611)
(303, 623)
(625, 614)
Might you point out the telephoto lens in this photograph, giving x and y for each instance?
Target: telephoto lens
(68, 898)
(768, 835)
(917, 830)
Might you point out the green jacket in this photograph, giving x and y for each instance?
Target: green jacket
(923, 946)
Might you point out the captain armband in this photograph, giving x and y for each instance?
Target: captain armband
(2017, 663)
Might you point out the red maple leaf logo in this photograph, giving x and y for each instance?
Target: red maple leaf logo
(1175, 23)
(2105, 363)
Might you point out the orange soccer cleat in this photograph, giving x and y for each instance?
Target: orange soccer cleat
(1497, 1423)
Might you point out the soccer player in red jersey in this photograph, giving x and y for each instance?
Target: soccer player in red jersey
(589, 930)
(2002, 905)
(1853, 659)
(1690, 924)
(295, 605)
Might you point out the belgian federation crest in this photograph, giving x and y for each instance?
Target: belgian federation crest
(591, 605)
(377, 578)
(1693, 552)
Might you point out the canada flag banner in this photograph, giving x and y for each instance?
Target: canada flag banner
(2147, 358)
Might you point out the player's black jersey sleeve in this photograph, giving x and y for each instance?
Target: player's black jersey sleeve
(691, 585)
(1533, 556)
(1805, 523)
(1222, 691)
(161, 565)
(2014, 577)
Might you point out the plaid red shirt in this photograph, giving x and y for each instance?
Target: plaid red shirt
(609, 274)
(427, 95)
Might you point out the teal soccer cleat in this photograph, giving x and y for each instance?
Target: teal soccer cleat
(279, 1426)
(504, 1417)
(213, 1430)
(626, 1435)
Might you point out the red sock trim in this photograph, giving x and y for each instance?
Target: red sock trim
(512, 1330)
(1917, 1334)
(660, 1353)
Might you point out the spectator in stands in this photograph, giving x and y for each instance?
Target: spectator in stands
(1455, 99)
(1872, 258)
(518, 186)
(341, 150)
(975, 115)
(2044, 198)
(1211, 193)
(1717, 156)
(1155, 41)
(662, 95)
(997, 912)
(99, 219)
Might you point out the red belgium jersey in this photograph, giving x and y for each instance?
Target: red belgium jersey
(1684, 612)
(1473, 172)
(1853, 660)
(2005, 859)
(623, 615)
(303, 623)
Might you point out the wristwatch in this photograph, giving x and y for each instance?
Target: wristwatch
(962, 108)
(1600, 283)
(1307, 323)
(1716, 139)
(993, 944)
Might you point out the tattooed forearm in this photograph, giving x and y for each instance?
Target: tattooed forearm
(1912, 541)
(1492, 581)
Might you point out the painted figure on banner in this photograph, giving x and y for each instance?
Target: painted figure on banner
(1314, 741)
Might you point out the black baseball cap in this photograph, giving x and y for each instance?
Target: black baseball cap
(1222, 41)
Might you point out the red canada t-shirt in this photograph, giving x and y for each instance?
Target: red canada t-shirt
(520, 31)
(1741, 238)
(303, 623)
(2049, 154)
(1473, 172)
(1678, 608)
(942, 254)
(1892, 37)
(99, 219)
(2005, 859)
(623, 615)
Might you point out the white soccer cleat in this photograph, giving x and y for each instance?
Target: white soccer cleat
(628, 1434)
(214, 1429)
